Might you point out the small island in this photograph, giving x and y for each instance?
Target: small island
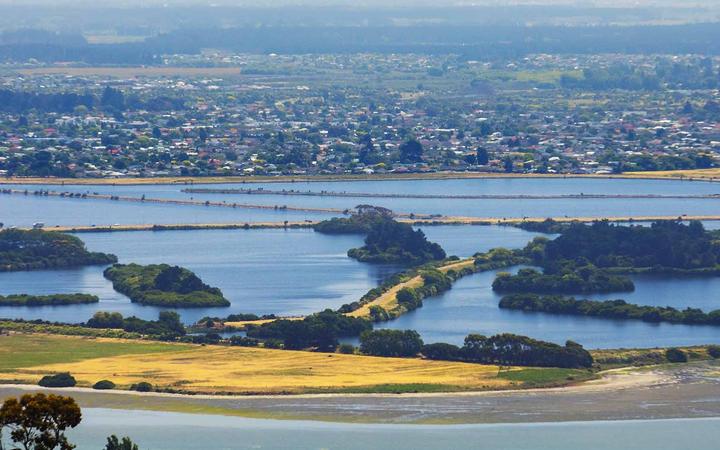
(585, 280)
(163, 285)
(47, 300)
(37, 250)
(391, 242)
(608, 309)
(387, 241)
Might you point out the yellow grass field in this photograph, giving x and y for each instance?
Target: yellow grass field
(237, 370)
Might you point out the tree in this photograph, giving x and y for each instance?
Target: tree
(390, 343)
(411, 151)
(675, 355)
(508, 165)
(113, 443)
(482, 156)
(39, 421)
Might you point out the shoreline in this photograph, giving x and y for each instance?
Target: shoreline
(712, 177)
(308, 224)
(657, 392)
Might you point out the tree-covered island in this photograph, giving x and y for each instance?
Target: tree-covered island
(47, 300)
(37, 250)
(387, 241)
(163, 285)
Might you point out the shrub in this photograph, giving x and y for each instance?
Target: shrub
(441, 351)
(391, 343)
(675, 355)
(103, 385)
(346, 349)
(142, 386)
(58, 380)
(714, 351)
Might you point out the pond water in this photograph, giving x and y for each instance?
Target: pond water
(173, 431)
(268, 271)
(23, 211)
(471, 306)
(291, 272)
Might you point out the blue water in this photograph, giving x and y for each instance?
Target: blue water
(471, 306)
(19, 211)
(267, 271)
(173, 431)
(292, 272)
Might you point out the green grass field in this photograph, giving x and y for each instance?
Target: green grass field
(18, 351)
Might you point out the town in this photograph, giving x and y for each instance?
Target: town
(225, 114)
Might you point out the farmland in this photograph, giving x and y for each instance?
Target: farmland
(229, 370)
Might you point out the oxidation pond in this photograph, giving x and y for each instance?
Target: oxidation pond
(268, 271)
(471, 306)
(23, 211)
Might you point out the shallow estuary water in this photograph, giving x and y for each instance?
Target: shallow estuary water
(291, 272)
(172, 431)
(269, 271)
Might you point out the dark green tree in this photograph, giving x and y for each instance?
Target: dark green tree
(114, 443)
(39, 421)
(411, 151)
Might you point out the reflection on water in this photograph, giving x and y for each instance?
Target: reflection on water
(284, 272)
(172, 431)
(271, 271)
(472, 307)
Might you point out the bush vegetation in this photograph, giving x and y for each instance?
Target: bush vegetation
(168, 326)
(502, 349)
(675, 355)
(394, 343)
(663, 244)
(320, 330)
(583, 280)
(59, 380)
(163, 285)
(37, 249)
(361, 222)
(104, 385)
(47, 300)
(142, 386)
(391, 242)
(610, 309)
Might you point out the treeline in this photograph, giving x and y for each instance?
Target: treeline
(321, 330)
(697, 73)
(163, 285)
(167, 327)
(37, 249)
(502, 349)
(583, 280)
(663, 244)
(47, 300)
(609, 309)
(110, 99)
(616, 77)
